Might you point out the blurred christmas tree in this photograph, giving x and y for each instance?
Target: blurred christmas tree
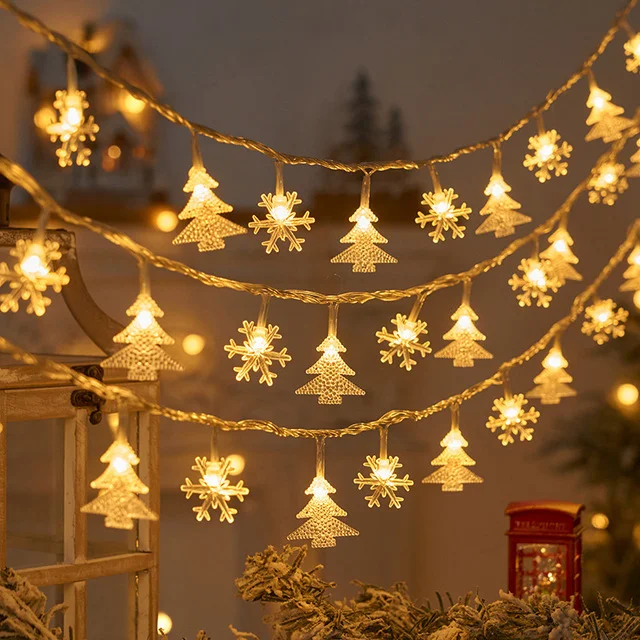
(602, 445)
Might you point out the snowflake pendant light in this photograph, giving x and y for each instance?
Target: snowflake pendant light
(405, 340)
(453, 462)
(632, 49)
(364, 253)
(537, 282)
(281, 221)
(548, 157)
(604, 320)
(383, 479)
(257, 351)
(322, 513)
(607, 182)
(443, 214)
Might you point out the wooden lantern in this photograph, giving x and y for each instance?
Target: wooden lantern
(545, 548)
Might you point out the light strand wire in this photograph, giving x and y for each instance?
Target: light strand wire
(76, 51)
(22, 178)
(121, 394)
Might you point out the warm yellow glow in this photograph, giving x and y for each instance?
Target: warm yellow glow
(120, 464)
(44, 116)
(320, 491)
(636, 299)
(113, 420)
(465, 322)
(144, 319)
(213, 479)
(537, 276)
(599, 521)
(512, 418)
(560, 246)
(280, 210)
(72, 117)
(555, 361)
(166, 220)
(114, 151)
(609, 177)
(599, 102)
(627, 394)
(193, 344)
(34, 263)
(546, 151)
(133, 105)
(384, 469)
(511, 412)
(236, 464)
(201, 192)
(165, 624)
(496, 189)
(603, 316)
(363, 223)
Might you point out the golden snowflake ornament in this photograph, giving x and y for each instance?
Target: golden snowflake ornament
(443, 214)
(536, 283)
(501, 210)
(119, 487)
(214, 489)
(383, 481)
(632, 51)
(72, 128)
(606, 183)
(32, 273)
(632, 272)
(604, 320)
(257, 352)
(553, 383)
(634, 170)
(548, 157)
(464, 337)
(560, 256)
(512, 418)
(404, 341)
(281, 222)
(322, 526)
(208, 227)
(454, 461)
(605, 119)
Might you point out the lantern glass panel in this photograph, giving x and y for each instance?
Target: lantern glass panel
(541, 568)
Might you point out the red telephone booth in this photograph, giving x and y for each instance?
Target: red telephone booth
(545, 548)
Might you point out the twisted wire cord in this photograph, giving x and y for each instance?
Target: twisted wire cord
(121, 394)
(19, 176)
(71, 48)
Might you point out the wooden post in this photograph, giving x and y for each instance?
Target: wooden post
(75, 523)
(3, 479)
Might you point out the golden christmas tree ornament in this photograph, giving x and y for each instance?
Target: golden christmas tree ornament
(464, 335)
(537, 282)
(214, 487)
(560, 256)
(281, 221)
(257, 351)
(119, 487)
(501, 209)
(208, 227)
(632, 49)
(604, 320)
(512, 418)
(72, 127)
(143, 357)
(322, 526)
(405, 340)
(553, 382)
(454, 461)
(634, 170)
(605, 119)
(548, 157)
(443, 214)
(32, 273)
(607, 181)
(330, 384)
(364, 253)
(632, 273)
(383, 479)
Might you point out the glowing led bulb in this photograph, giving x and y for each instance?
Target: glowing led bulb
(280, 210)
(537, 276)
(627, 394)
(496, 189)
(555, 360)
(331, 352)
(320, 491)
(546, 151)
(165, 624)
(465, 322)
(407, 333)
(384, 470)
(455, 442)
(560, 246)
(133, 105)
(120, 464)
(212, 477)
(609, 176)
(193, 344)
(144, 319)
(34, 264)
(72, 117)
(201, 192)
(363, 222)
(166, 220)
(259, 343)
(599, 521)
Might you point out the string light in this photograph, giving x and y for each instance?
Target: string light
(560, 256)
(548, 154)
(364, 254)
(119, 487)
(512, 418)
(605, 119)
(501, 209)
(464, 335)
(454, 461)
(322, 526)
(281, 221)
(632, 272)
(405, 340)
(193, 344)
(143, 357)
(257, 351)
(553, 382)
(208, 226)
(608, 180)
(330, 384)
(72, 128)
(599, 521)
(383, 480)
(604, 320)
(214, 487)
(537, 281)
(627, 394)
(165, 624)
(443, 214)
